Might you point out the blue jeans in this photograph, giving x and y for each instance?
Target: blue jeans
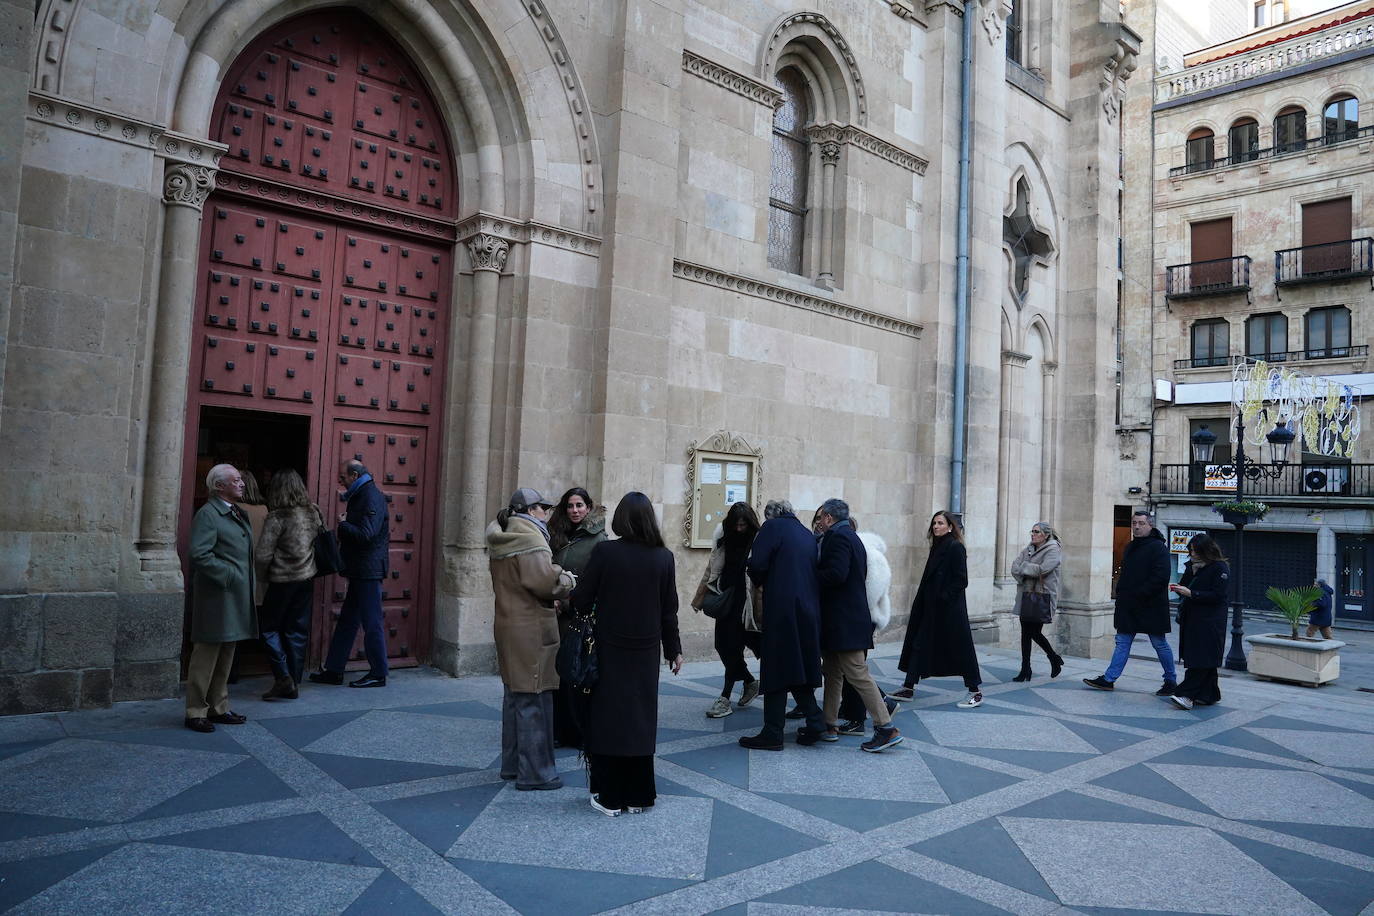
(1122, 652)
(362, 606)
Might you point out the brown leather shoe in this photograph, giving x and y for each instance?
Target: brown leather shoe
(228, 718)
(199, 724)
(283, 688)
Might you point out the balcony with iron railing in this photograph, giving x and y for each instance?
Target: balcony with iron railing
(1299, 482)
(1215, 277)
(1291, 148)
(1211, 362)
(1263, 61)
(1343, 260)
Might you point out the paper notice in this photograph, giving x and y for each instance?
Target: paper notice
(736, 493)
(737, 471)
(711, 471)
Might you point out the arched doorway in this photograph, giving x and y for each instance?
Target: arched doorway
(324, 290)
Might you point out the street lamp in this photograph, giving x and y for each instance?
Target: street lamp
(1280, 440)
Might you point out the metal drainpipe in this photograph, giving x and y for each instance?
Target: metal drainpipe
(961, 266)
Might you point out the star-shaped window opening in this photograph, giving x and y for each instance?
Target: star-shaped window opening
(1026, 241)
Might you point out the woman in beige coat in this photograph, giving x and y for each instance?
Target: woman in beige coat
(1036, 569)
(525, 629)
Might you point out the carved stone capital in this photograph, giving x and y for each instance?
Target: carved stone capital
(488, 252)
(830, 153)
(185, 185)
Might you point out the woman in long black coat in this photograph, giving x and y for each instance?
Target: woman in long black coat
(1204, 586)
(938, 640)
(630, 586)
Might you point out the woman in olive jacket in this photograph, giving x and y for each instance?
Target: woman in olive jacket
(576, 526)
(1204, 587)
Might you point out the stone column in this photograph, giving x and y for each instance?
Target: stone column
(830, 160)
(1011, 426)
(185, 188)
(1050, 436)
(1327, 561)
(488, 255)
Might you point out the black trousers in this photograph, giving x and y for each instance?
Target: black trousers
(286, 626)
(1034, 631)
(622, 782)
(775, 711)
(1201, 685)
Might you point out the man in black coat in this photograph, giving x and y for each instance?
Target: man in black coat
(364, 544)
(783, 564)
(1142, 603)
(847, 626)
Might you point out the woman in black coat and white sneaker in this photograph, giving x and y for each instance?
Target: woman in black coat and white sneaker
(629, 585)
(939, 642)
(1204, 587)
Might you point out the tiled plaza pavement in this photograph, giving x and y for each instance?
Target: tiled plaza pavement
(1051, 798)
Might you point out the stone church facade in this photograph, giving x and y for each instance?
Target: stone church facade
(492, 243)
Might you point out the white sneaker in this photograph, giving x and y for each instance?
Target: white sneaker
(719, 709)
(972, 701)
(609, 812)
(1181, 702)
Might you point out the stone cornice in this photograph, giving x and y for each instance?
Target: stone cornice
(871, 143)
(1014, 358)
(46, 108)
(752, 89)
(760, 289)
(259, 188)
(528, 232)
(907, 9)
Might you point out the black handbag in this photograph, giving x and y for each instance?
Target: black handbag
(1036, 607)
(328, 560)
(576, 661)
(716, 604)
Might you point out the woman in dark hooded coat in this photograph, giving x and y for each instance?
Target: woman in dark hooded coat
(576, 525)
(938, 640)
(1204, 588)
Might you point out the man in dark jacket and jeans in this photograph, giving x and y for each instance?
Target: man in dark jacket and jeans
(364, 542)
(1142, 603)
(847, 626)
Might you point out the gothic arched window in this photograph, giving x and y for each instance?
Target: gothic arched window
(1025, 240)
(787, 189)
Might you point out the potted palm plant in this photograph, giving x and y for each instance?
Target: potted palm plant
(1288, 656)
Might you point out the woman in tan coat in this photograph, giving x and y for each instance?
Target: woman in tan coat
(525, 629)
(1036, 569)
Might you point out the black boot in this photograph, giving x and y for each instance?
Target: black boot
(1056, 665)
(1025, 673)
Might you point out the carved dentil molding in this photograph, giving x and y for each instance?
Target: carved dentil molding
(67, 114)
(870, 143)
(186, 185)
(738, 83)
(488, 252)
(748, 286)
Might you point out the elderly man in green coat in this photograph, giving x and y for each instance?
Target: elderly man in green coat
(222, 611)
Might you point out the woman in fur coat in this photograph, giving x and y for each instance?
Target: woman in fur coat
(1036, 570)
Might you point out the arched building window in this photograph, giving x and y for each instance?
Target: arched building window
(1201, 150)
(790, 173)
(1290, 130)
(1242, 140)
(1341, 119)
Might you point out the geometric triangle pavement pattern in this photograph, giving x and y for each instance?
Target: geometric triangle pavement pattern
(1002, 732)
(1292, 796)
(437, 820)
(883, 888)
(668, 840)
(412, 738)
(842, 770)
(1331, 749)
(741, 840)
(146, 879)
(1097, 703)
(543, 891)
(984, 848)
(102, 780)
(309, 837)
(1151, 867)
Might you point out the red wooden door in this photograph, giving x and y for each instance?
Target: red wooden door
(325, 283)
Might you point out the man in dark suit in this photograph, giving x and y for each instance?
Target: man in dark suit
(364, 542)
(783, 563)
(222, 611)
(847, 626)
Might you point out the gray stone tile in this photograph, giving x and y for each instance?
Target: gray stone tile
(412, 738)
(755, 908)
(885, 889)
(102, 780)
(534, 828)
(147, 879)
(981, 728)
(1165, 872)
(15, 729)
(842, 770)
(1332, 749)
(1294, 796)
(1117, 703)
(689, 713)
(536, 891)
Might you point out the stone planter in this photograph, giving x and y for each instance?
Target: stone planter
(1277, 657)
